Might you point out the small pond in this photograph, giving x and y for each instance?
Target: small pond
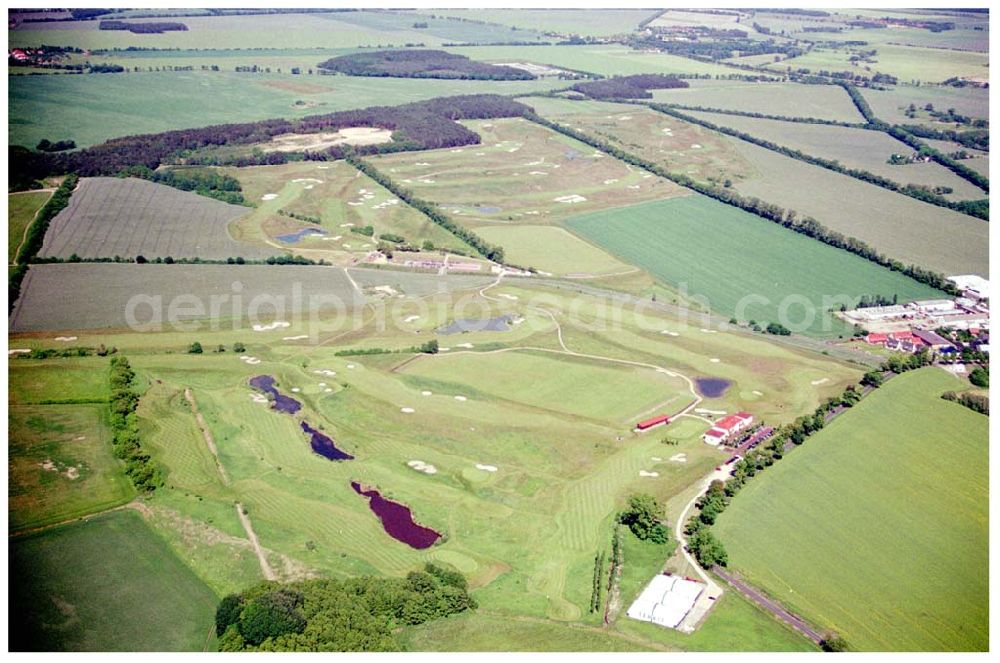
(712, 387)
(397, 520)
(501, 323)
(299, 235)
(323, 445)
(282, 403)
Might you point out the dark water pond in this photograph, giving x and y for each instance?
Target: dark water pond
(323, 445)
(281, 402)
(712, 387)
(299, 235)
(397, 520)
(501, 323)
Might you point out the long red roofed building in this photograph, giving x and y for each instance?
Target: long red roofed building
(724, 428)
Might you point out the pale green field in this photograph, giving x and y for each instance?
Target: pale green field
(828, 102)
(93, 108)
(908, 230)
(890, 105)
(21, 211)
(604, 59)
(551, 249)
(853, 148)
(907, 63)
(904, 474)
(596, 22)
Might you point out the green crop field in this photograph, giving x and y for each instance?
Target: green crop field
(877, 527)
(106, 584)
(36, 381)
(92, 109)
(564, 21)
(21, 211)
(61, 464)
(891, 105)
(676, 145)
(907, 63)
(701, 245)
(828, 102)
(603, 59)
(551, 249)
(522, 172)
(904, 228)
(853, 148)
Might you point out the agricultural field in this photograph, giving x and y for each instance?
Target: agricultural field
(676, 145)
(909, 64)
(553, 176)
(853, 148)
(700, 245)
(77, 590)
(131, 217)
(891, 105)
(92, 109)
(904, 228)
(341, 198)
(21, 210)
(826, 102)
(918, 499)
(597, 23)
(553, 250)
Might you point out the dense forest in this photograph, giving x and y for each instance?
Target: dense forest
(416, 126)
(144, 28)
(421, 63)
(628, 87)
(356, 614)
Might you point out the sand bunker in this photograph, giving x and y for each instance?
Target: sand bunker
(816, 383)
(705, 410)
(506, 296)
(679, 458)
(253, 361)
(486, 468)
(65, 338)
(757, 393)
(669, 333)
(307, 179)
(319, 141)
(327, 390)
(709, 331)
(295, 390)
(269, 196)
(715, 360)
(572, 198)
(277, 324)
(644, 473)
(295, 338)
(695, 146)
(464, 345)
(258, 398)
(407, 410)
(351, 366)
(18, 351)
(411, 318)
(461, 398)
(425, 393)
(324, 371)
(421, 466)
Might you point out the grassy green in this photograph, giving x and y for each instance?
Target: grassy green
(877, 527)
(906, 229)
(551, 249)
(37, 381)
(106, 584)
(853, 148)
(891, 104)
(595, 23)
(21, 210)
(92, 108)
(61, 464)
(828, 102)
(907, 63)
(702, 244)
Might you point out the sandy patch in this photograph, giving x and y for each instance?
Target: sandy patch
(277, 324)
(715, 360)
(253, 361)
(324, 371)
(421, 466)
(64, 339)
(816, 383)
(319, 141)
(72, 473)
(327, 390)
(757, 393)
(19, 351)
(572, 198)
(461, 398)
(669, 333)
(295, 338)
(705, 410)
(486, 468)
(269, 196)
(644, 473)
(506, 296)
(425, 393)
(411, 318)
(351, 366)
(709, 331)
(307, 179)
(464, 345)
(679, 458)
(407, 410)
(295, 390)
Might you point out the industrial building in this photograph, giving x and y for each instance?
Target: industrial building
(666, 600)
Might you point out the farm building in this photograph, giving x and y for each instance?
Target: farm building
(722, 429)
(666, 600)
(975, 287)
(932, 340)
(658, 420)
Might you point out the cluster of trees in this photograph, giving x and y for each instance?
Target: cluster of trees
(980, 376)
(356, 614)
(871, 301)
(76, 351)
(421, 63)
(139, 467)
(431, 347)
(976, 402)
(789, 219)
(643, 517)
(973, 139)
(151, 28)
(702, 543)
(734, 43)
(45, 145)
(208, 183)
(367, 231)
(597, 591)
(628, 87)
(926, 194)
(490, 251)
(420, 125)
(285, 259)
(196, 348)
(35, 236)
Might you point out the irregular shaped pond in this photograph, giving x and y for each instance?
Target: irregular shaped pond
(323, 445)
(501, 323)
(281, 402)
(712, 387)
(299, 235)
(397, 520)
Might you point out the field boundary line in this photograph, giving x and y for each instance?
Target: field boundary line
(206, 434)
(767, 604)
(27, 226)
(252, 536)
(130, 504)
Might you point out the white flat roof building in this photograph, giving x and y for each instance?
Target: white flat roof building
(972, 283)
(666, 600)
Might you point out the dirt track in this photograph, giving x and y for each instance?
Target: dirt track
(768, 605)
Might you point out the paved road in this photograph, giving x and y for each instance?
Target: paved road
(767, 604)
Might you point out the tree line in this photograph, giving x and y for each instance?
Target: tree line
(421, 63)
(150, 28)
(766, 116)
(633, 87)
(979, 209)
(353, 614)
(139, 466)
(786, 218)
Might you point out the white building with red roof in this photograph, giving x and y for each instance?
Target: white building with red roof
(726, 427)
